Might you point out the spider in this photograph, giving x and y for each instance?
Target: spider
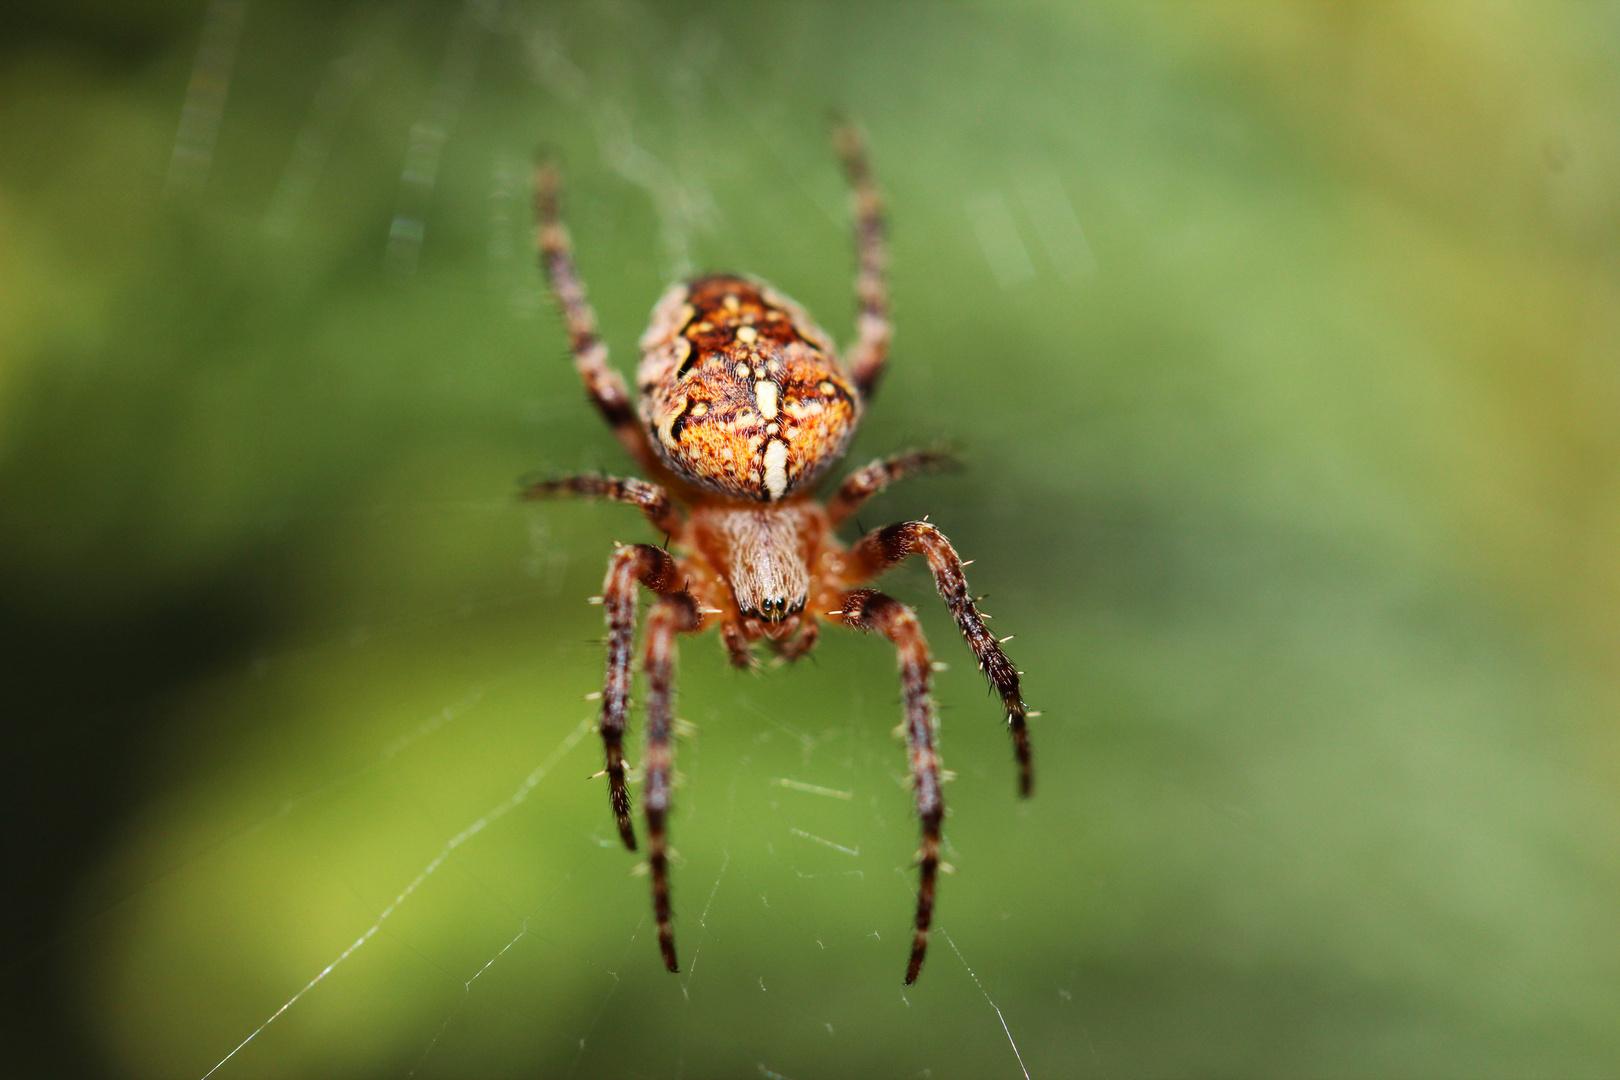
(744, 405)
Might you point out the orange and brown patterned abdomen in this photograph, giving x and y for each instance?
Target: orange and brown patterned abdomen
(742, 393)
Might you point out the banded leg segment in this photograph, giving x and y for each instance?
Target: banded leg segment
(867, 481)
(872, 327)
(674, 614)
(869, 609)
(605, 386)
(882, 548)
(630, 565)
(653, 501)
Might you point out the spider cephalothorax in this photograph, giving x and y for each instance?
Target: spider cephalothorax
(744, 405)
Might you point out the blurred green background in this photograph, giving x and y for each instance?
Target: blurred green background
(1280, 342)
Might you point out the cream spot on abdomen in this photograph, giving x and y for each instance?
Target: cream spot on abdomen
(776, 468)
(765, 394)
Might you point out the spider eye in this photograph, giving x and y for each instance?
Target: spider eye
(776, 608)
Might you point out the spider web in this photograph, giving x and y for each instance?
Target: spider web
(374, 846)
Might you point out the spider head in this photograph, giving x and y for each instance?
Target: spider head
(741, 392)
(763, 552)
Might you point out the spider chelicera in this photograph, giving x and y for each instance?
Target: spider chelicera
(744, 405)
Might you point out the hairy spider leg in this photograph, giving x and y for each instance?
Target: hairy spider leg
(869, 609)
(653, 501)
(883, 548)
(868, 480)
(676, 613)
(872, 327)
(604, 385)
(656, 569)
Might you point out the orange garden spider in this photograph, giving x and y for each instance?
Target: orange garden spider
(744, 405)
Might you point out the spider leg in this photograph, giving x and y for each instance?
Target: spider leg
(605, 386)
(656, 569)
(867, 481)
(869, 609)
(675, 613)
(653, 500)
(873, 329)
(882, 548)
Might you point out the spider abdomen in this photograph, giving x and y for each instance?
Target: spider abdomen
(741, 393)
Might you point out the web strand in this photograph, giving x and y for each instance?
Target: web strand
(193, 155)
(511, 802)
(993, 1005)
